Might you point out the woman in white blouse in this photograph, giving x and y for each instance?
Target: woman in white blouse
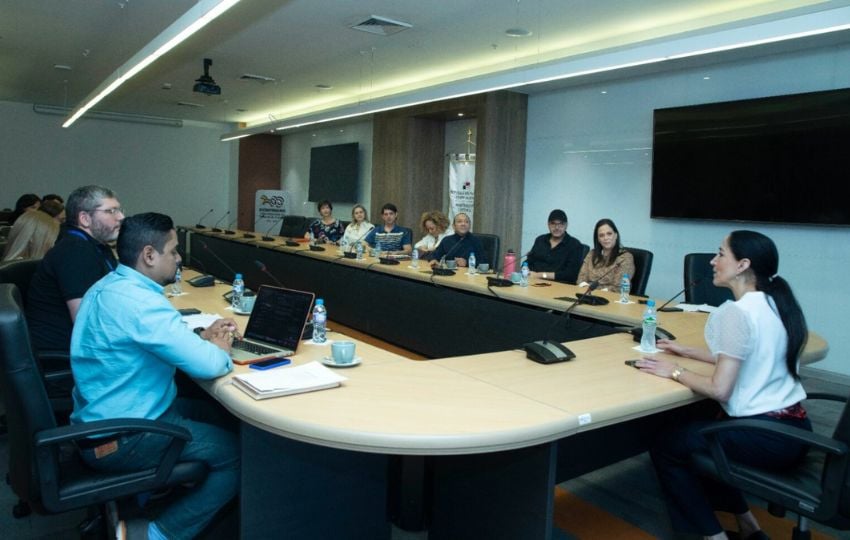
(359, 227)
(435, 225)
(754, 343)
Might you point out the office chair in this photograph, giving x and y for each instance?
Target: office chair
(491, 244)
(698, 286)
(818, 489)
(643, 265)
(45, 470)
(294, 226)
(585, 249)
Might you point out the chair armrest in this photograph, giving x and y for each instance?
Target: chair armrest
(48, 438)
(54, 355)
(810, 438)
(826, 396)
(57, 376)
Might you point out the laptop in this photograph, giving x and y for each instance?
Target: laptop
(274, 326)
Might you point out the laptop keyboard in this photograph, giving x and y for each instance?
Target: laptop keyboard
(252, 347)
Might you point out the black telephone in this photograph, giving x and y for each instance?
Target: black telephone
(547, 352)
(205, 280)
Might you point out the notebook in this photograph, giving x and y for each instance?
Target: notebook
(292, 380)
(274, 326)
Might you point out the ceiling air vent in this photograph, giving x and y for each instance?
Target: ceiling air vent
(381, 26)
(257, 78)
(189, 104)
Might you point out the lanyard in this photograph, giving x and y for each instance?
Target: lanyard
(85, 237)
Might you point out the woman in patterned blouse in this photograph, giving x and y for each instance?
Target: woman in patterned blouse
(326, 229)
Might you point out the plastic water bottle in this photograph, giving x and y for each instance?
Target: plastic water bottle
(471, 261)
(378, 249)
(343, 245)
(625, 289)
(177, 286)
(359, 250)
(238, 291)
(320, 319)
(311, 238)
(650, 322)
(414, 258)
(524, 271)
(509, 266)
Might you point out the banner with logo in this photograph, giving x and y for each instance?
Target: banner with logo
(461, 185)
(270, 205)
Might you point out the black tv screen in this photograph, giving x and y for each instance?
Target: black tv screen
(334, 173)
(782, 159)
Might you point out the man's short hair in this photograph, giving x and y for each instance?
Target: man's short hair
(148, 229)
(85, 199)
(557, 215)
(389, 206)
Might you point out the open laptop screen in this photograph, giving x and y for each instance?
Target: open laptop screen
(279, 316)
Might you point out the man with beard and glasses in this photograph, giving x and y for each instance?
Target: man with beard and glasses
(80, 258)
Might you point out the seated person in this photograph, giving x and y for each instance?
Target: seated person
(607, 261)
(435, 225)
(459, 245)
(127, 345)
(557, 255)
(394, 239)
(54, 209)
(327, 229)
(32, 235)
(358, 228)
(28, 202)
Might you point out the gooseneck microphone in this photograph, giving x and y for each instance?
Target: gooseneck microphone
(547, 351)
(664, 307)
(229, 229)
(441, 269)
(198, 224)
(250, 235)
(216, 257)
(267, 237)
(586, 298)
(262, 267)
(215, 227)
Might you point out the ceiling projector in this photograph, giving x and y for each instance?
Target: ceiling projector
(205, 84)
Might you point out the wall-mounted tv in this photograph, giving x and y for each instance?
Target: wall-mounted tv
(783, 159)
(334, 173)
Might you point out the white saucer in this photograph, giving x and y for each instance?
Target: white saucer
(240, 312)
(329, 361)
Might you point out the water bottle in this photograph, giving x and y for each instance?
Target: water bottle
(343, 245)
(625, 289)
(509, 266)
(471, 261)
(359, 250)
(320, 318)
(238, 291)
(650, 322)
(311, 239)
(378, 249)
(414, 258)
(524, 271)
(177, 286)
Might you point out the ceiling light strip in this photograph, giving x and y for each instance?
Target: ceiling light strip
(204, 12)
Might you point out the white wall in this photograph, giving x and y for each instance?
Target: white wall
(182, 172)
(589, 153)
(295, 163)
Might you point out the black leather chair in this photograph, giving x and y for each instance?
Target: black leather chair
(20, 273)
(818, 489)
(643, 266)
(698, 286)
(45, 470)
(491, 244)
(585, 249)
(294, 226)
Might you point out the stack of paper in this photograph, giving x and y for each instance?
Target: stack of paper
(286, 381)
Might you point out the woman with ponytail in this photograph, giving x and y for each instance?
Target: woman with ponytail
(754, 343)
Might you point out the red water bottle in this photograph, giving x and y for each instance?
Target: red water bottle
(509, 267)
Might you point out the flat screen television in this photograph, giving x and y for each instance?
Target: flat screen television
(334, 173)
(783, 159)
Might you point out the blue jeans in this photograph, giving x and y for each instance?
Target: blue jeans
(692, 499)
(217, 447)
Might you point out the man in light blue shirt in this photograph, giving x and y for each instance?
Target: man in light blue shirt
(128, 341)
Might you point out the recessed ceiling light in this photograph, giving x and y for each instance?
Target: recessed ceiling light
(460, 114)
(166, 86)
(323, 86)
(517, 32)
(63, 67)
(604, 92)
(706, 78)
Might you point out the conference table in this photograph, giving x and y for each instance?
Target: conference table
(490, 433)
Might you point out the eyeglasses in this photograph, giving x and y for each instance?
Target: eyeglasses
(110, 211)
(557, 224)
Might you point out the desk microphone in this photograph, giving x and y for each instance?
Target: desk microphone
(664, 307)
(266, 237)
(586, 297)
(250, 235)
(441, 269)
(352, 248)
(229, 229)
(552, 352)
(262, 267)
(216, 257)
(215, 227)
(198, 225)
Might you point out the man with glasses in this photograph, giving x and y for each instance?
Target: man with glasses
(556, 256)
(81, 257)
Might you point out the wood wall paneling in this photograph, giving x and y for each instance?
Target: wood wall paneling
(259, 168)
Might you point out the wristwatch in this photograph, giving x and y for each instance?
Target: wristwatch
(544, 275)
(677, 373)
